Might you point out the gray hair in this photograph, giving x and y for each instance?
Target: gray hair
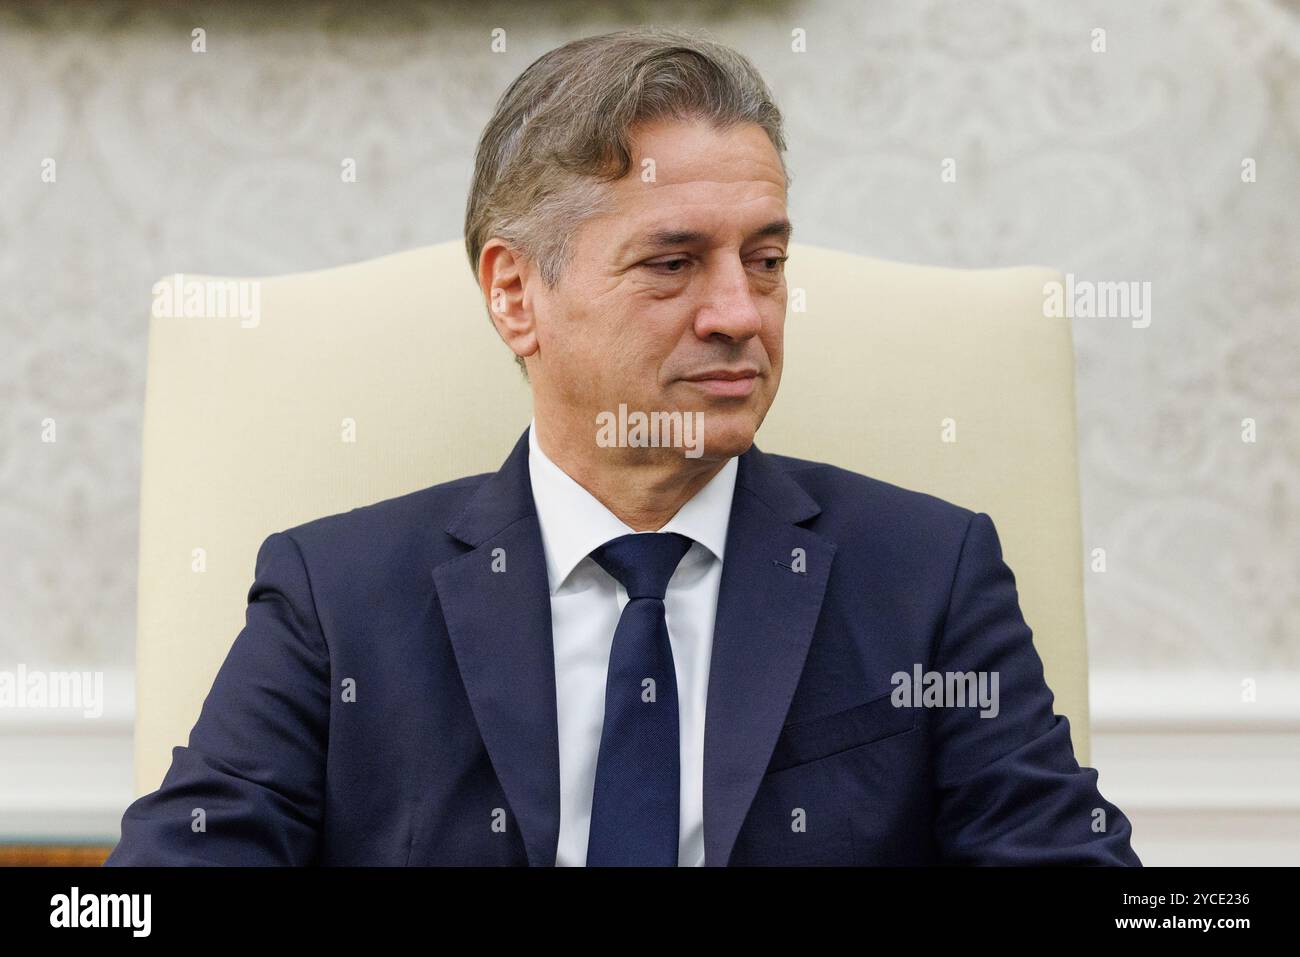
(560, 133)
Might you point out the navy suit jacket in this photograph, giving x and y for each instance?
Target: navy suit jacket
(391, 698)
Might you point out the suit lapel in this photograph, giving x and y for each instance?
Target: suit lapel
(499, 623)
(766, 615)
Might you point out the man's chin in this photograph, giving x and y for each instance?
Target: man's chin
(727, 436)
(709, 431)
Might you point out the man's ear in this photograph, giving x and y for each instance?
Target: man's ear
(502, 276)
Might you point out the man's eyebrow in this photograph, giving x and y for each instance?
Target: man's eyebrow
(662, 238)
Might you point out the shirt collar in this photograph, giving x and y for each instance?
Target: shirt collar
(574, 522)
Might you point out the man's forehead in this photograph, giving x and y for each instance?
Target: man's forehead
(662, 232)
(708, 211)
(666, 230)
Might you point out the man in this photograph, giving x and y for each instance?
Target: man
(643, 641)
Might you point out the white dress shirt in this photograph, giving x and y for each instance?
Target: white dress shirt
(586, 602)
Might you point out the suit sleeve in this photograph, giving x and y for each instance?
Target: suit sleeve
(1009, 790)
(255, 763)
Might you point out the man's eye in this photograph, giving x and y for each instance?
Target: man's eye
(772, 263)
(669, 265)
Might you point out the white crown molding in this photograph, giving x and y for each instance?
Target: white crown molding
(1204, 777)
(1193, 702)
(68, 778)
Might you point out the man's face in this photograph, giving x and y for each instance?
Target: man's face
(675, 291)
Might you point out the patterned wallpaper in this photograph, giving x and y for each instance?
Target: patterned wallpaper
(1122, 164)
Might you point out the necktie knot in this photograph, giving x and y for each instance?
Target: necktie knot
(644, 562)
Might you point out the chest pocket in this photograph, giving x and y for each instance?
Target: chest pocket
(815, 738)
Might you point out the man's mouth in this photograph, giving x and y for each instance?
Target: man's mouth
(735, 382)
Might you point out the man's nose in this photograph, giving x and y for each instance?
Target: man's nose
(730, 308)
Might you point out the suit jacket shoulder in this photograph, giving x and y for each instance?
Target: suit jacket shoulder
(898, 527)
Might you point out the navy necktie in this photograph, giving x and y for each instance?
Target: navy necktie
(634, 806)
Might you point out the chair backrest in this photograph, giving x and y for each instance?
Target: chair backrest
(247, 421)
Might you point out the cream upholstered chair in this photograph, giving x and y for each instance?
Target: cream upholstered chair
(245, 428)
